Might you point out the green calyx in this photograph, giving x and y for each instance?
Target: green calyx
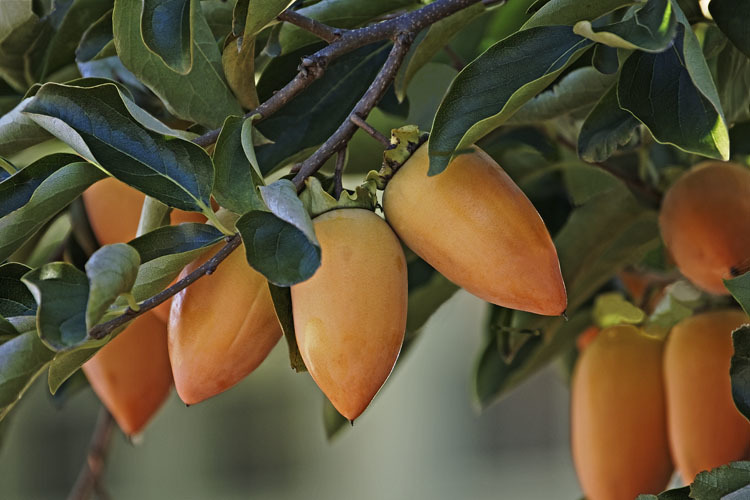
(404, 141)
(317, 201)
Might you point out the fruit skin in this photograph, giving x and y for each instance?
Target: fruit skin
(705, 223)
(350, 317)
(474, 225)
(618, 416)
(705, 427)
(131, 374)
(220, 328)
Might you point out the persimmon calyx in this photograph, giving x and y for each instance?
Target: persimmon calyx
(317, 201)
(404, 141)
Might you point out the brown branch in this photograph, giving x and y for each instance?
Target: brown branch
(372, 132)
(322, 31)
(339, 172)
(90, 476)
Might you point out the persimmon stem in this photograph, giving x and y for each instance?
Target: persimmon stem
(338, 172)
(321, 30)
(89, 479)
(372, 132)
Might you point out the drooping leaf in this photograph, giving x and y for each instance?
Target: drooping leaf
(52, 195)
(51, 242)
(490, 89)
(740, 369)
(65, 364)
(238, 60)
(201, 95)
(167, 31)
(280, 243)
(570, 12)
(18, 131)
(169, 240)
(282, 303)
(721, 481)
(606, 128)
(111, 271)
(673, 94)
(22, 359)
(733, 18)
(236, 180)
(251, 16)
(96, 123)
(739, 287)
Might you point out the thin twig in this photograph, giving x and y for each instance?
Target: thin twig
(322, 31)
(91, 473)
(338, 172)
(361, 123)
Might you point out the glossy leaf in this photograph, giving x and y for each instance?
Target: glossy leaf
(733, 18)
(96, 123)
(22, 359)
(570, 12)
(739, 370)
(236, 179)
(169, 240)
(606, 128)
(111, 271)
(490, 89)
(201, 95)
(167, 30)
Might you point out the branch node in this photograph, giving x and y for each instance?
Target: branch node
(375, 134)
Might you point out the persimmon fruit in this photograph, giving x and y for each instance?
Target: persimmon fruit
(475, 225)
(350, 317)
(618, 416)
(705, 223)
(131, 374)
(705, 427)
(220, 328)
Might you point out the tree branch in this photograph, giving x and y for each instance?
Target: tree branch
(322, 31)
(372, 132)
(89, 478)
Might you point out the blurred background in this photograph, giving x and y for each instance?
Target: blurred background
(422, 437)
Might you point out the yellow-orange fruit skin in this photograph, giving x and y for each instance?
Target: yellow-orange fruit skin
(618, 416)
(705, 223)
(475, 225)
(705, 427)
(350, 317)
(131, 374)
(220, 328)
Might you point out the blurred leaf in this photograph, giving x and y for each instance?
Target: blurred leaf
(238, 60)
(605, 59)
(733, 18)
(15, 298)
(740, 494)
(51, 243)
(572, 11)
(72, 386)
(578, 89)
(22, 359)
(280, 243)
(282, 303)
(739, 287)
(674, 494)
(437, 36)
(168, 240)
(739, 137)
(201, 95)
(18, 131)
(65, 364)
(97, 123)
(606, 128)
(521, 66)
(219, 17)
(167, 31)
(111, 271)
(680, 300)
(53, 194)
(731, 72)
(236, 180)
(612, 309)
(649, 27)
(424, 300)
(314, 115)
(251, 16)
(673, 94)
(19, 26)
(723, 480)
(740, 369)
(96, 39)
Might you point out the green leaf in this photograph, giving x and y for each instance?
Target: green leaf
(424, 300)
(62, 292)
(53, 194)
(15, 298)
(168, 240)
(167, 31)
(739, 287)
(680, 300)
(201, 95)
(282, 303)
(674, 494)
(18, 131)
(236, 179)
(739, 370)
(97, 124)
(606, 128)
(650, 27)
(96, 40)
(22, 359)
(238, 60)
(721, 481)
(66, 364)
(51, 242)
(315, 114)
(612, 309)
(578, 89)
(280, 243)
(490, 89)
(733, 18)
(672, 93)
(572, 11)
(19, 27)
(111, 271)
(251, 16)
(731, 73)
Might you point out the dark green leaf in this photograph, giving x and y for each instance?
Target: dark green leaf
(111, 271)
(740, 369)
(315, 114)
(18, 131)
(53, 194)
(96, 39)
(674, 494)
(201, 95)
(251, 16)
(66, 364)
(96, 123)
(169, 240)
(74, 385)
(605, 59)
(490, 89)
(714, 484)
(733, 18)
(739, 137)
(22, 359)
(19, 27)
(572, 11)
(167, 30)
(62, 292)
(606, 128)
(731, 71)
(236, 180)
(15, 298)
(739, 287)
(282, 303)
(672, 93)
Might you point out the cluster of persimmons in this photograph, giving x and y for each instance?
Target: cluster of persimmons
(642, 404)
(220, 328)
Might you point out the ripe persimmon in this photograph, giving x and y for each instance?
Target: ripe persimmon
(220, 328)
(131, 374)
(350, 317)
(618, 416)
(705, 427)
(705, 223)
(475, 225)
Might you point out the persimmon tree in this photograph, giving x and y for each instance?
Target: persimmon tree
(218, 134)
